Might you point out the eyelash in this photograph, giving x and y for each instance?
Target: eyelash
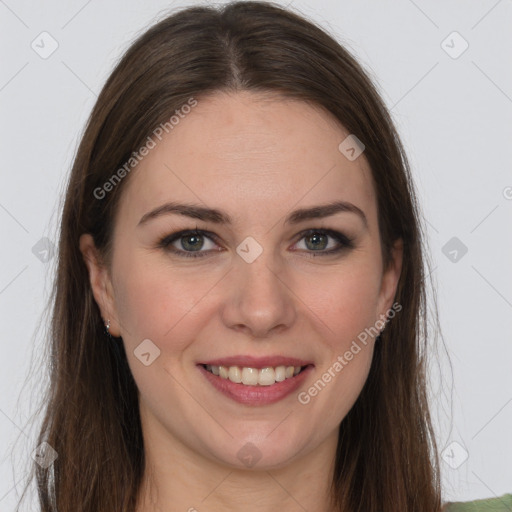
(165, 243)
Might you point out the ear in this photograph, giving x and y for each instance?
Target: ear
(390, 278)
(101, 284)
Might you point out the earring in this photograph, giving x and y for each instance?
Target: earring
(107, 327)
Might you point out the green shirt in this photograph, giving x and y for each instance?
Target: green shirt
(501, 504)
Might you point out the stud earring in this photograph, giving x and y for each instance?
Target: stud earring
(107, 327)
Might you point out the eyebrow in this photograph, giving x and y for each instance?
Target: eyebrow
(220, 217)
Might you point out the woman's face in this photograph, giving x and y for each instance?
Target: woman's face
(265, 283)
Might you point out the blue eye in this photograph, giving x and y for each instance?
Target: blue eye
(192, 242)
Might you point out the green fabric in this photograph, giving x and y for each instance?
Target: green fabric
(501, 504)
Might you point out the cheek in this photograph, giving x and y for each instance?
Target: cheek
(154, 303)
(345, 303)
(153, 306)
(345, 300)
(347, 308)
(352, 317)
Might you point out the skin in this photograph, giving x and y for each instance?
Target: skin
(258, 158)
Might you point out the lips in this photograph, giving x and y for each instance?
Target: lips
(257, 362)
(256, 395)
(273, 383)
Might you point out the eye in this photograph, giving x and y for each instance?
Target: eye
(317, 240)
(189, 243)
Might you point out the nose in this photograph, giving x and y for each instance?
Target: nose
(259, 301)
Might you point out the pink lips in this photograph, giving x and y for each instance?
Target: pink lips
(257, 362)
(256, 395)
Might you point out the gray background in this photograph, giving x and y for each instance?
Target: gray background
(453, 112)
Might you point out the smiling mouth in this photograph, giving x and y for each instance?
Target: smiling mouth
(255, 376)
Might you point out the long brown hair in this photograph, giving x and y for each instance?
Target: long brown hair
(386, 458)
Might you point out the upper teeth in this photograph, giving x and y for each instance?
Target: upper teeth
(254, 376)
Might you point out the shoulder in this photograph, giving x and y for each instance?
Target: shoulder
(499, 504)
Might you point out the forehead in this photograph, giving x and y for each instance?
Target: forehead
(248, 153)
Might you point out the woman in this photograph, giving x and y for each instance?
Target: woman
(241, 220)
